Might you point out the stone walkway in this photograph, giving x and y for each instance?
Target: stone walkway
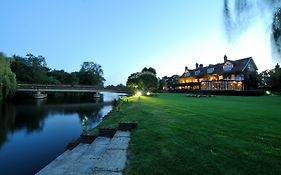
(104, 156)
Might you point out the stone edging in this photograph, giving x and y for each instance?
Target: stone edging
(104, 132)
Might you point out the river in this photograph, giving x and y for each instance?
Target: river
(34, 132)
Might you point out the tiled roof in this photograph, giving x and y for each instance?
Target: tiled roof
(236, 66)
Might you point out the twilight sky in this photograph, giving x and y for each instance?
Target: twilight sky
(126, 35)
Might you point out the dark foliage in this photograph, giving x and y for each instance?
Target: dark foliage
(145, 80)
(7, 78)
(33, 70)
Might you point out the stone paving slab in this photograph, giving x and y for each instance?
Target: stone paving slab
(101, 141)
(122, 134)
(60, 164)
(86, 163)
(107, 173)
(97, 148)
(112, 160)
(119, 143)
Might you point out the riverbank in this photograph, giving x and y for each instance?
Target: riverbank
(39, 130)
(218, 135)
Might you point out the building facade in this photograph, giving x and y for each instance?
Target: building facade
(229, 75)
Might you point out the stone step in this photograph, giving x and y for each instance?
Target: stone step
(88, 160)
(115, 157)
(103, 156)
(64, 161)
(120, 141)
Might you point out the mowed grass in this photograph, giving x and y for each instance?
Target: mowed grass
(218, 135)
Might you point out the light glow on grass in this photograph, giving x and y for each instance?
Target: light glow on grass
(267, 92)
(212, 131)
(148, 93)
(138, 93)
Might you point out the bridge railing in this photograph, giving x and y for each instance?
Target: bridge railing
(70, 87)
(48, 86)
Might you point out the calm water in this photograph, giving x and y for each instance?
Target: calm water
(34, 132)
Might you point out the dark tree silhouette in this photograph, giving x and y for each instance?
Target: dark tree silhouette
(91, 74)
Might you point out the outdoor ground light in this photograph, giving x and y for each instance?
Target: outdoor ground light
(138, 93)
(148, 93)
(267, 92)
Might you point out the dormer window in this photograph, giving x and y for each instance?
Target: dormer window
(228, 66)
(210, 70)
(186, 74)
(197, 72)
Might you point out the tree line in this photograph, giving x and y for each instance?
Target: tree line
(271, 78)
(32, 69)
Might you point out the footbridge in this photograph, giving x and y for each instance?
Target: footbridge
(68, 88)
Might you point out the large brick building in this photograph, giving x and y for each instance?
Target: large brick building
(229, 75)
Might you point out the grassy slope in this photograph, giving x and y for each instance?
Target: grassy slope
(219, 135)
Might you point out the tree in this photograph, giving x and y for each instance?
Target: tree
(162, 83)
(264, 79)
(169, 83)
(150, 69)
(33, 70)
(145, 80)
(22, 70)
(34, 61)
(62, 77)
(275, 78)
(148, 81)
(133, 81)
(91, 74)
(7, 78)
(26, 67)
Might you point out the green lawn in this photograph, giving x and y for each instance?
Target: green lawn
(217, 135)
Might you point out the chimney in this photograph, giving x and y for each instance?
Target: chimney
(225, 58)
(200, 65)
(186, 68)
(196, 65)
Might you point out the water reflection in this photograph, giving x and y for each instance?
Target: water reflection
(31, 117)
(37, 131)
